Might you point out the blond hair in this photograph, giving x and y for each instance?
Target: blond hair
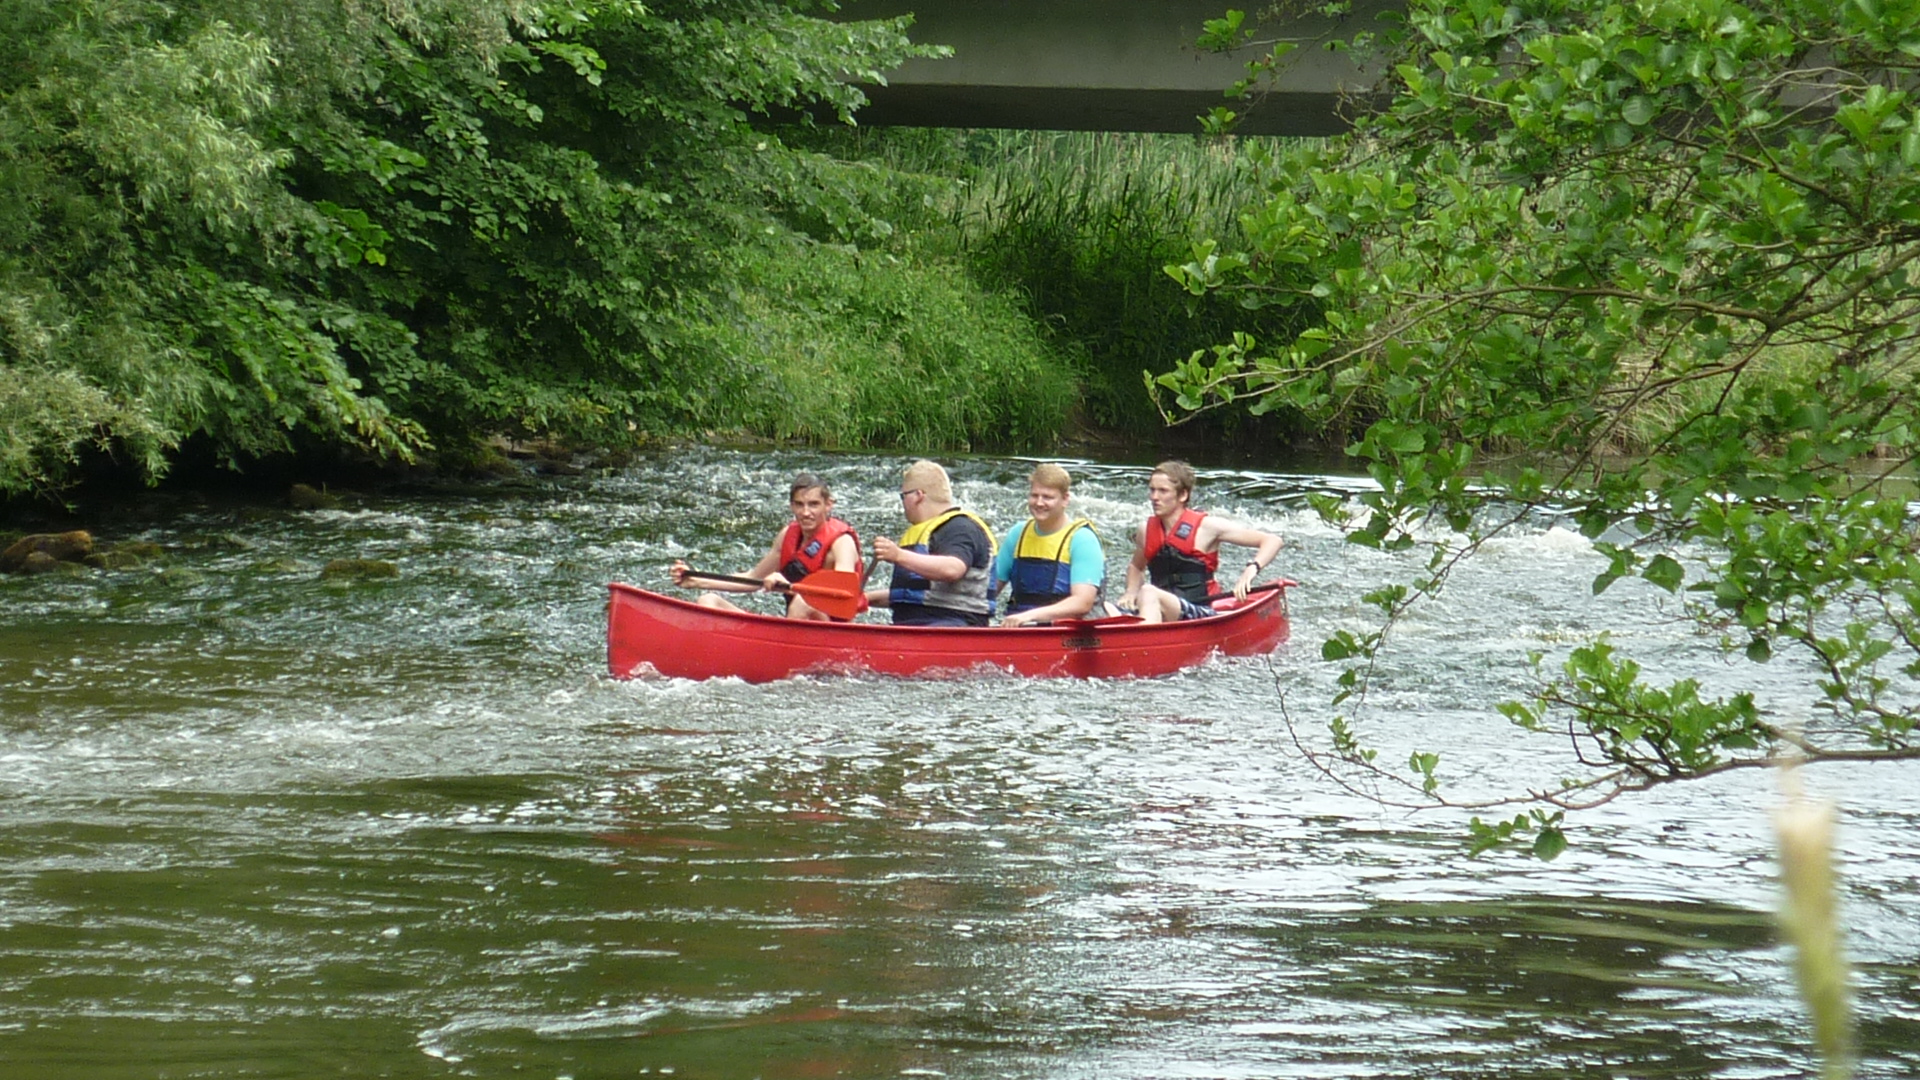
(929, 478)
(1052, 476)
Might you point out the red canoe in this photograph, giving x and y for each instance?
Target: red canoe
(650, 633)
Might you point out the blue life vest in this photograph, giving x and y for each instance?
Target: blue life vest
(1042, 567)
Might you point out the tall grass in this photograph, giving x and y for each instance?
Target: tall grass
(1083, 225)
(833, 346)
(1079, 226)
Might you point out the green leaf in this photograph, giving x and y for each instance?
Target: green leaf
(1664, 571)
(1549, 844)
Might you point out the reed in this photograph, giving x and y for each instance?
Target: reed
(1079, 226)
(1082, 225)
(830, 346)
(1810, 919)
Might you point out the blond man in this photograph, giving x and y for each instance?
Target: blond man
(1053, 563)
(942, 563)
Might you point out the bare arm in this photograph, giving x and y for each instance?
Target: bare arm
(931, 567)
(767, 565)
(1136, 571)
(1266, 546)
(844, 554)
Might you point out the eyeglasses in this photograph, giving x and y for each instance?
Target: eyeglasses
(910, 491)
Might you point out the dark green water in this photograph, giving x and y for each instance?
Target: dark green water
(257, 824)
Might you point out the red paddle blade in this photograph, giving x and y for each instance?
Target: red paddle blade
(840, 581)
(831, 592)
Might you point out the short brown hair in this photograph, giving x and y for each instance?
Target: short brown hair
(1052, 476)
(806, 481)
(1180, 474)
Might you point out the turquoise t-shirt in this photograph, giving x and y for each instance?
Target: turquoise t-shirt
(1086, 559)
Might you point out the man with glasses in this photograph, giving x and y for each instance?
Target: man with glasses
(943, 563)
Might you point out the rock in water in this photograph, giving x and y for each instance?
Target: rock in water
(307, 497)
(359, 568)
(59, 547)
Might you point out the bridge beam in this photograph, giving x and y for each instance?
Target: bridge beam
(1101, 65)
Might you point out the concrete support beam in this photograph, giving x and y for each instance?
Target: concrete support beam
(1100, 65)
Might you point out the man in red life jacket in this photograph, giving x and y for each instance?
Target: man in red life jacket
(1177, 552)
(815, 540)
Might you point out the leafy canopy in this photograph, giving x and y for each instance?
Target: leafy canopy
(381, 226)
(1665, 249)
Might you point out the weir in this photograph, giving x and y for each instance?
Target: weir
(1107, 65)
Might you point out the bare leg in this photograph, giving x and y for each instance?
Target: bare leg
(800, 609)
(1158, 605)
(715, 600)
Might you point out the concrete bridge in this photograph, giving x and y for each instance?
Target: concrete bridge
(1102, 65)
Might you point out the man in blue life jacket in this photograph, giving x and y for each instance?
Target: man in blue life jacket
(1177, 552)
(814, 540)
(1055, 567)
(943, 563)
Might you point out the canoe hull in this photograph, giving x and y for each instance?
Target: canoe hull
(650, 633)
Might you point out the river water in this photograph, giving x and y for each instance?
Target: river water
(255, 823)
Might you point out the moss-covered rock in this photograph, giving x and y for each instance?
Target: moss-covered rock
(56, 547)
(307, 497)
(359, 568)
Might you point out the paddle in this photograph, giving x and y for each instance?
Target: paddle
(831, 592)
(1281, 583)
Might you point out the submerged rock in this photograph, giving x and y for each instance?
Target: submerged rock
(117, 559)
(281, 566)
(307, 497)
(359, 568)
(36, 562)
(52, 547)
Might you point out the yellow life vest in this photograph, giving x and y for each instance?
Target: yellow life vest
(968, 595)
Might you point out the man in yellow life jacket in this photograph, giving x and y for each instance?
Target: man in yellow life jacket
(1054, 566)
(943, 562)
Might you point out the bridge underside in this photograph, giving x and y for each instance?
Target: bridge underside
(1106, 65)
(1083, 109)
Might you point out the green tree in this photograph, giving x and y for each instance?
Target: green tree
(1664, 248)
(381, 226)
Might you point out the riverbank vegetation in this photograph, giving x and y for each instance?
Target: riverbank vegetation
(238, 234)
(1683, 229)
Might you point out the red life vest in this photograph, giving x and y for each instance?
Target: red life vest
(1174, 564)
(798, 559)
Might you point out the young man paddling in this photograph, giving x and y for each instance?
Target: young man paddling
(1055, 566)
(814, 541)
(942, 563)
(1177, 552)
